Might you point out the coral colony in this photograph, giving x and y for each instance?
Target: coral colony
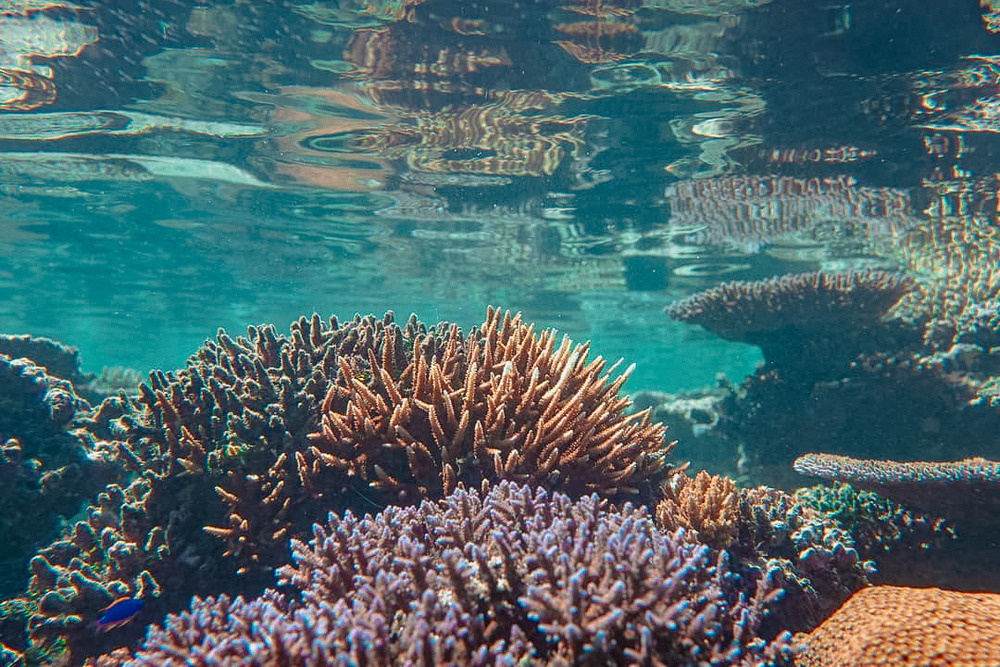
(366, 492)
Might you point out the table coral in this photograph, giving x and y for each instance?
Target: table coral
(509, 575)
(891, 625)
(966, 491)
(752, 311)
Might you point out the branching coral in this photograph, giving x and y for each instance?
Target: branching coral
(890, 625)
(504, 403)
(706, 504)
(510, 575)
(223, 465)
(816, 556)
(230, 421)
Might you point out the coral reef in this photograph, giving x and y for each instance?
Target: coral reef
(890, 625)
(503, 404)
(230, 460)
(966, 491)
(817, 557)
(504, 576)
(947, 539)
(823, 557)
(48, 464)
(843, 372)
(706, 504)
(884, 531)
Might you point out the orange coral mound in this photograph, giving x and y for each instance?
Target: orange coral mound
(894, 625)
(704, 503)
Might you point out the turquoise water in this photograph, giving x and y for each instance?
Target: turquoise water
(169, 168)
(193, 166)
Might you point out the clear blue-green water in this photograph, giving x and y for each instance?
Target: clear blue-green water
(171, 167)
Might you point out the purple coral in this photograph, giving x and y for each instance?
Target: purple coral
(500, 577)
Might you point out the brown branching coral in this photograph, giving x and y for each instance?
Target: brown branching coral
(503, 404)
(706, 504)
(891, 625)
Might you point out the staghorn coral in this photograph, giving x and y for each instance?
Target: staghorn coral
(706, 504)
(504, 403)
(505, 576)
(225, 471)
(891, 625)
(223, 421)
(966, 491)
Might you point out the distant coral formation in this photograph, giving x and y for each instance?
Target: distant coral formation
(507, 576)
(843, 371)
(809, 302)
(891, 625)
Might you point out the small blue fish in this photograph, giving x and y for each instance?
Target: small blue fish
(118, 613)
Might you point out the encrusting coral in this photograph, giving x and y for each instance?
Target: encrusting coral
(891, 625)
(229, 457)
(497, 577)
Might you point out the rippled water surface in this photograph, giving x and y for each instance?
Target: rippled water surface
(188, 166)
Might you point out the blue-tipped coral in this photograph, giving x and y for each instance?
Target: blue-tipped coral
(502, 577)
